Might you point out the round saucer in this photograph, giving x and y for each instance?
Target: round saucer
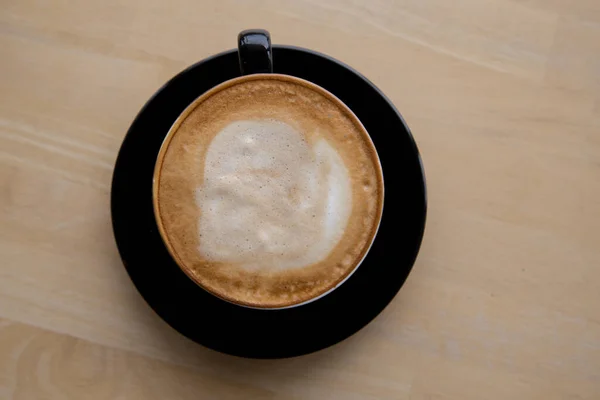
(248, 332)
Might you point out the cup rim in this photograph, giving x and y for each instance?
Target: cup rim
(171, 133)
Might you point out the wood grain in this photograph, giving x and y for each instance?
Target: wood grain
(503, 97)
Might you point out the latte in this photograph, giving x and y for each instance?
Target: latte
(268, 191)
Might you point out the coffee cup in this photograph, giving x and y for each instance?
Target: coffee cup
(267, 191)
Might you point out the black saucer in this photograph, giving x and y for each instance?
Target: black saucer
(269, 333)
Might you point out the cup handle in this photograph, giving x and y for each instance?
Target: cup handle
(254, 51)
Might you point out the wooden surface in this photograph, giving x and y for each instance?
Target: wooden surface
(503, 97)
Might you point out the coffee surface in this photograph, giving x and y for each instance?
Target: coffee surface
(268, 191)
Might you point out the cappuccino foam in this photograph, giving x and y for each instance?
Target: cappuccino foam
(268, 191)
(269, 199)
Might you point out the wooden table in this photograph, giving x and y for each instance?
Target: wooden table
(503, 97)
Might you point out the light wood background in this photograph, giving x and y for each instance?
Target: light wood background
(503, 97)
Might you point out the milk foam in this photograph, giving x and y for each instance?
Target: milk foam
(270, 199)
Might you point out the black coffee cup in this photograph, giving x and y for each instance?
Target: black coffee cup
(356, 206)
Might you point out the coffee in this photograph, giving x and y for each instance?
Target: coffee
(268, 191)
